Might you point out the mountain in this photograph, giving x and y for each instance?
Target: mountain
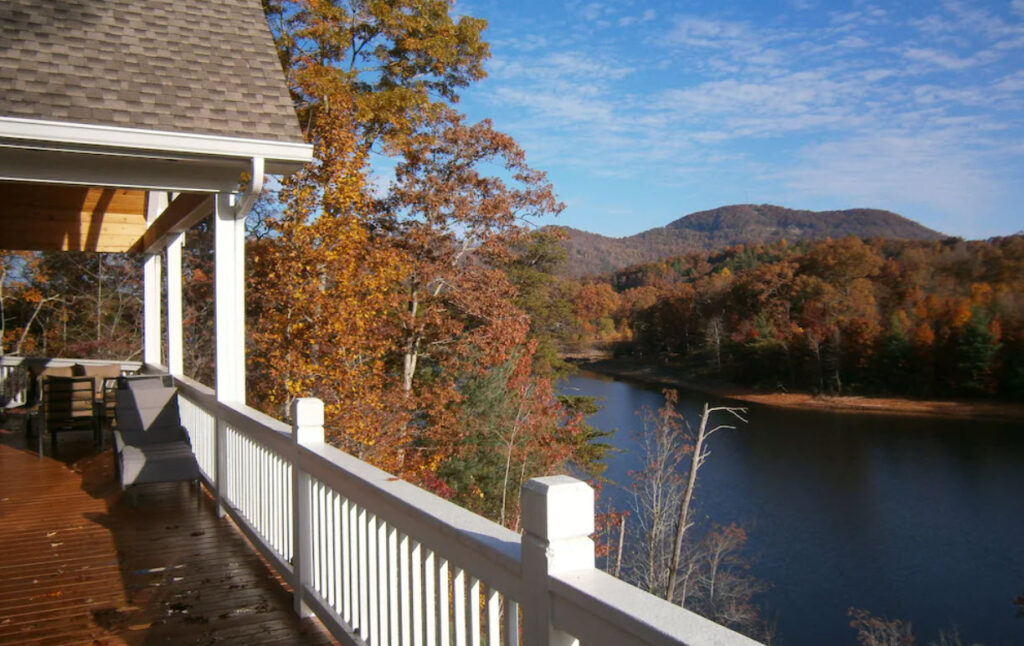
(590, 253)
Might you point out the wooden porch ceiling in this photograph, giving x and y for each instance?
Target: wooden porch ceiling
(47, 217)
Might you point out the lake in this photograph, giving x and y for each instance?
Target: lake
(912, 518)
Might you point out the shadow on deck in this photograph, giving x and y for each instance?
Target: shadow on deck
(79, 565)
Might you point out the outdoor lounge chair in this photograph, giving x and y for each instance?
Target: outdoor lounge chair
(150, 444)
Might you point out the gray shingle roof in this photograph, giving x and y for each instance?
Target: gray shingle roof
(197, 66)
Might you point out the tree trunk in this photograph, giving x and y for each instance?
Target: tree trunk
(622, 538)
(412, 346)
(99, 297)
(684, 508)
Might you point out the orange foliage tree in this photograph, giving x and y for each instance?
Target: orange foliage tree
(319, 294)
(393, 305)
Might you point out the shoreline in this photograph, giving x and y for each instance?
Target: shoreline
(659, 375)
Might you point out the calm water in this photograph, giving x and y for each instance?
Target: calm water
(919, 519)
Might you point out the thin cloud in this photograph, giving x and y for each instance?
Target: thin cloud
(897, 168)
(647, 16)
(941, 59)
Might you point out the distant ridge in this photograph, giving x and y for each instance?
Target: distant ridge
(590, 253)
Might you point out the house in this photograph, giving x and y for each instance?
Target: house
(123, 123)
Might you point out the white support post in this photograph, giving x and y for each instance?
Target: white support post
(229, 325)
(307, 428)
(175, 339)
(156, 202)
(558, 518)
(229, 300)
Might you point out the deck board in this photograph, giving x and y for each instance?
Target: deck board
(80, 565)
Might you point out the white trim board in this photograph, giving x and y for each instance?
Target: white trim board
(114, 138)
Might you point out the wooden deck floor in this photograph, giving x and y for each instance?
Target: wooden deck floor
(79, 565)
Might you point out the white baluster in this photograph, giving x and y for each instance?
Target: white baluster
(511, 622)
(493, 617)
(404, 592)
(364, 574)
(372, 564)
(392, 601)
(443, 620)
(430, 598)
(459, 598)
(416, 570)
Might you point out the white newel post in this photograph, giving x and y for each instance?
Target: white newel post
(307, 428)
(558, 519)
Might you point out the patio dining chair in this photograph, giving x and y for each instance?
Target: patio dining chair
(68, 405)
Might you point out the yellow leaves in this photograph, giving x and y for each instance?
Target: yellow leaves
(923, 337)
(981, 294)
(961, 314)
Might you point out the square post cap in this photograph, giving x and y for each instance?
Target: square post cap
(558, 507)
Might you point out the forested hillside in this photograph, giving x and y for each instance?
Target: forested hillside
(933, 319)
(590, 253)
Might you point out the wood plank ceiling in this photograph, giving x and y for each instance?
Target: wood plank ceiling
(40, 217)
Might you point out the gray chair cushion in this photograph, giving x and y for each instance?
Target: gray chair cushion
(147, 408)
(155, 436)
(143, 382)
(162, 462)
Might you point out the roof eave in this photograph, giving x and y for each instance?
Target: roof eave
(54, 136)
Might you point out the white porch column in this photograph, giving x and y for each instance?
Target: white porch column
(229, 300)
(175, 342)
(151, 325)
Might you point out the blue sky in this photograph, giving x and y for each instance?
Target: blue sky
(642, 112)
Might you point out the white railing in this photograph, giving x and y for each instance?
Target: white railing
(15, 379)
(380, 561)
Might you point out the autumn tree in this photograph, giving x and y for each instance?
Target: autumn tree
(400, 62)
(544, 296)
(21, 301)
(319, 295)
(975, 355)
(512, 427)
(455, 223)
(394, 304)
(595, 304)
(74, 304)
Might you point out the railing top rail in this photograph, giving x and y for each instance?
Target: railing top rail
(272, 433)
(484, 548)
(9, 360)
(599, 609)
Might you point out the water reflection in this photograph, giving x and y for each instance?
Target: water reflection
(906, 517)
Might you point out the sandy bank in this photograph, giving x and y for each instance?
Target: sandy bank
(666, 376)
